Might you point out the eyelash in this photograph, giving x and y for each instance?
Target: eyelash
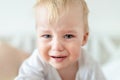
(66, 36)
(46, 36)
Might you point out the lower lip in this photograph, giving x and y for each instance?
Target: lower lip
(59, 59)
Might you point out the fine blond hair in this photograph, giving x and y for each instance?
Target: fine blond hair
(54, 7)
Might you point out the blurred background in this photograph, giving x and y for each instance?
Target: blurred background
(17, 28)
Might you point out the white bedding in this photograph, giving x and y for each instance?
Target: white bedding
(112, 70)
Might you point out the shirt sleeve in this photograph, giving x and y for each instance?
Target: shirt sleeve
(31, 69)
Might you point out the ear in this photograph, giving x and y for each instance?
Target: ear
(85, 38)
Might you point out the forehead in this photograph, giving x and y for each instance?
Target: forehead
(74, 16)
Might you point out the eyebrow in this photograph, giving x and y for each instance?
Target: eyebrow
(45, 31)
(70, 31)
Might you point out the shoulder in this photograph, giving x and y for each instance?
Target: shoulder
(86, 59)
(89, 68)
(33, 68)
(34, 64)
(35, 60)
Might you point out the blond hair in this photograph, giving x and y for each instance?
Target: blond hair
(54, 7)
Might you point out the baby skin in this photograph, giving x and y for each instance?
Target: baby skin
(60, 41)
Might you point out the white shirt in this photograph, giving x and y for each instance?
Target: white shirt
(34, 68)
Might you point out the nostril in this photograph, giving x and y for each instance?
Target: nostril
(57, 47)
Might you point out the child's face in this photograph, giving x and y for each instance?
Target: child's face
(60, 43)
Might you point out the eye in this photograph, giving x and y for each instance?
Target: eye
(46, 36)
(68, 36)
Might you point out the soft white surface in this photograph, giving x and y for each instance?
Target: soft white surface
(112, 70)
(104, 16)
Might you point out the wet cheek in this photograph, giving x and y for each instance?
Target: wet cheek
(75, 52)
(75, 55)
(44, 55)
(43, 51)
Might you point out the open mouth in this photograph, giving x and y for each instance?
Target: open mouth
(58, 58)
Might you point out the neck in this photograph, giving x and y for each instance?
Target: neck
(69, 73)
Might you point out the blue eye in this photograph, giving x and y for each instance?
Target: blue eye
(46, 36)
(68, 36)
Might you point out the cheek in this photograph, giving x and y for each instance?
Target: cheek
(75, 53)
(42, 46)
(75, 50)
(43, 50)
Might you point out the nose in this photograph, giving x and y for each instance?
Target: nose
(57, 45)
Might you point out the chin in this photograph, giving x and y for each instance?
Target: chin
(58, 66)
